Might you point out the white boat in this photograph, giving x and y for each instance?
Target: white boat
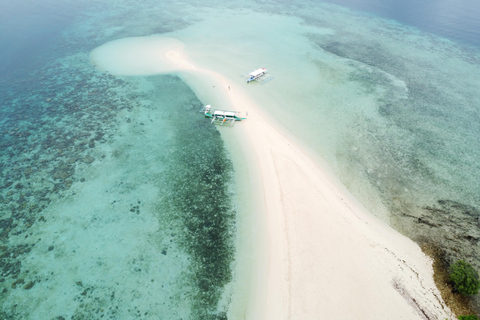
(259, 75)
(221, 116)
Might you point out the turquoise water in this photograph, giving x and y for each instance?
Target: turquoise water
(113, 206)
(116, 206)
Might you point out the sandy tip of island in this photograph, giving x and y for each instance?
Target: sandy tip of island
(137, 56)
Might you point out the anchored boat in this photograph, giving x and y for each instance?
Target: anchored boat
(221, 116)
(259, 75)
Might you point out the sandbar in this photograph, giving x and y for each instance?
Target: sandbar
(327, 257)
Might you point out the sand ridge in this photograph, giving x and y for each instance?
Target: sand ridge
(327, 256)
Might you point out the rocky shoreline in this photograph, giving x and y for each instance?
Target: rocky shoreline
(448, 231)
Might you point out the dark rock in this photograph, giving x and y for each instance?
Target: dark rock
(29, 285)
(17, 282)
(88, 159)
(98, 135)
(51, 248)
(67, 184)
(63, 172)
(454, 227)
(28, 171)
(72, 160)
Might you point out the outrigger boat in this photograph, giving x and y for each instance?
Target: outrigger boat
(221, 116)
(259, 75)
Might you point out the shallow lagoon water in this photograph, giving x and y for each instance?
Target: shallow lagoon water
(98, 187)
(108, 199)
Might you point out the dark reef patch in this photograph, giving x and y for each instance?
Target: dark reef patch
(48, 119)
(199, 193)
(455, 226)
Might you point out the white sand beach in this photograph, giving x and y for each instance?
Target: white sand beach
(328, 258)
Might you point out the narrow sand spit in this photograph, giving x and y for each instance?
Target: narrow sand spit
(327, 257)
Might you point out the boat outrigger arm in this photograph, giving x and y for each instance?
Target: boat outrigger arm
(259, 75)
(221, 116)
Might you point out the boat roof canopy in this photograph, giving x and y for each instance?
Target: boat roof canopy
(224, 113)
(258, 72)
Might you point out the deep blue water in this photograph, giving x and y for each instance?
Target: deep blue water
(29, 29)
(457, 20)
